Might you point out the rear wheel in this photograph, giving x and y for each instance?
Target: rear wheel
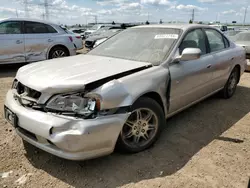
(142, 127)
(58, 52)
(230, 87)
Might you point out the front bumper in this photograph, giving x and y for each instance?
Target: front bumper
(88, 139)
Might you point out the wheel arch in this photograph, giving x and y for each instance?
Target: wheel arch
(238, 68)
(154, 96)
(57, 45)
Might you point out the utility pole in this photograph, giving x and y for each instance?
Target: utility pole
(244, 22)
(46, 9)
(26, 8)
(193, 16)
(95, 19)
(16, 13)
(43, 15)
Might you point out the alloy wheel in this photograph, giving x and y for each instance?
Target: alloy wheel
(232, 83)
(140, 128)
(58, 54)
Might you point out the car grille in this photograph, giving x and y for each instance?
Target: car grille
(89, 44)
(24, 89)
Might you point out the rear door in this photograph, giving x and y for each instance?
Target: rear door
(191, 80)
(38, 37)
(11, 42)
(219, 48)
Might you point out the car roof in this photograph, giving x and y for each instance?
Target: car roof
(29, 19)
(174, 26)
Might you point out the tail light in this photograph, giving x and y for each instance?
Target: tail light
(78, 37)
(71, 39)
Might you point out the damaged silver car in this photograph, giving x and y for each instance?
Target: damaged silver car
(120, 93)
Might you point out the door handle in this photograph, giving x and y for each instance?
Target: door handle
(209, 66)
(19, 42)
(50, 40)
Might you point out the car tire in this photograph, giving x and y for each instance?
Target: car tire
(230, 87)
(58, 52)
(140, 133)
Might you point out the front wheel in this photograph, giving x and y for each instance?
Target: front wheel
(142, 127)
(230, 87)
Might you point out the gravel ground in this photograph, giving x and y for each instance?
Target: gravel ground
(204, 146)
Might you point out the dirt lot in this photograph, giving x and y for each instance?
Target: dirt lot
(204, 146)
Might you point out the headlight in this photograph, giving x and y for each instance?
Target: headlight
(74, 103)
(99, 42)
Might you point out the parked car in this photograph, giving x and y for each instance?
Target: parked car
(105, 29)
(77, 39)
(120, 93)
(223, 28)
(232, 33)
(27, 40)
(79, 31)
(95, 40)
(243, 39)
(93, 29)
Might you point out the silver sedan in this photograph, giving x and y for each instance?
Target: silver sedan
(28, 40)
(120, 94)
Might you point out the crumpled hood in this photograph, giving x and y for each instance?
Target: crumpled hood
(72, 73)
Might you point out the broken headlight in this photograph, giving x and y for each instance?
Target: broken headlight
(74, 103)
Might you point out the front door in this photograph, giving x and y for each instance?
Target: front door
(11, 42)
(190, 80)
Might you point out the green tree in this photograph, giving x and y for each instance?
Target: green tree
(190, 21)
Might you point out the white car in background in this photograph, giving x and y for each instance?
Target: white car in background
(28, 40)
(93, 29)
(77, 39)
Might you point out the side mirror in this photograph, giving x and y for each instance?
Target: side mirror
(189, 54)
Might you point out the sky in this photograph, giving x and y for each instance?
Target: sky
(84, 11)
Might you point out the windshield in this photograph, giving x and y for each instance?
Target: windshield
(242, 37)
(139, 44)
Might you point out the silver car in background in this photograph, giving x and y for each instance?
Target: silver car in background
(27, 40)
(243, 39)
(120, 93)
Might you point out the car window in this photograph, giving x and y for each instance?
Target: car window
(50, 29)
(215, 40)
(11, 27)
(194, 39)
(38, 28)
